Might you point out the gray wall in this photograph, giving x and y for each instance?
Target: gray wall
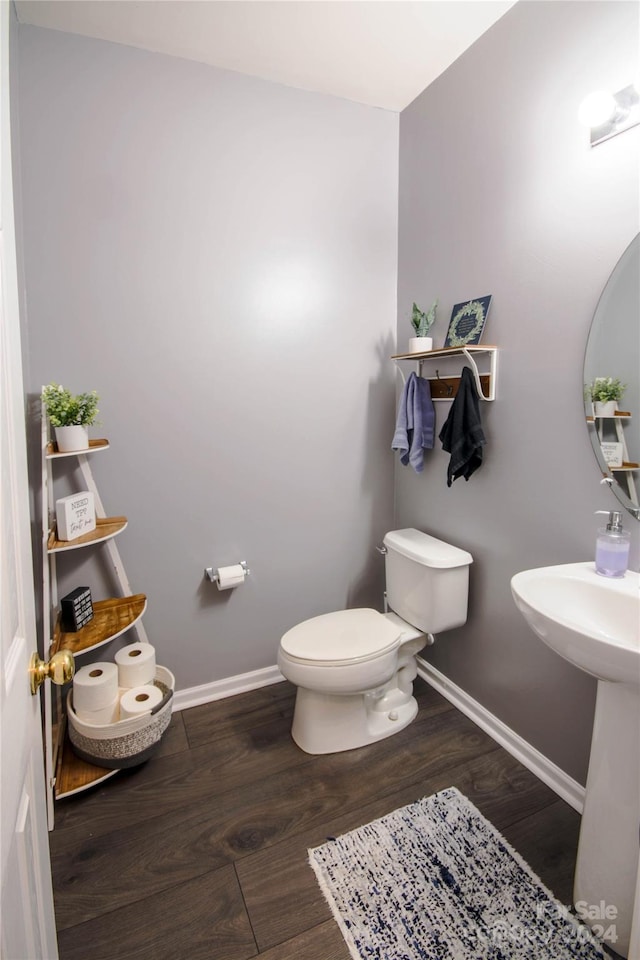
(500, 194)
(216, 255)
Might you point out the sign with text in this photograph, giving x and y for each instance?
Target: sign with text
(75, 515)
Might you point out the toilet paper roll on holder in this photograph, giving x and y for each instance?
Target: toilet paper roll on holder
(212, 572)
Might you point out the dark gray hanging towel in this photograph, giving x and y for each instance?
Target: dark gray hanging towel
(462, 435)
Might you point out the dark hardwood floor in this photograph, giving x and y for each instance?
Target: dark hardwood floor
(202, 851)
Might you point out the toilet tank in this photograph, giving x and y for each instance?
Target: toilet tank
(427, 580)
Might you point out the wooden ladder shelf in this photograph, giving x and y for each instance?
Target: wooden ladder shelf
(66, 773)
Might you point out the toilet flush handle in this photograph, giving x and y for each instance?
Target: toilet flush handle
(381, 550)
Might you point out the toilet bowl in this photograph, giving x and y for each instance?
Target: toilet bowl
(354, 669)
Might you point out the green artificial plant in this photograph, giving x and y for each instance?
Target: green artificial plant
(65, 409)
(603, 389)
(422, 322)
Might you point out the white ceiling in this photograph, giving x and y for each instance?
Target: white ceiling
(379, 52)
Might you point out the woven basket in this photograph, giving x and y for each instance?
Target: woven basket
(125, 743)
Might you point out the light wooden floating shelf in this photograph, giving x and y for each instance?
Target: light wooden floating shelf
(618, 415)
(94, 447)
(446, 387)
(446, 352)
(625, 466)
(106, 528)
(74, 775)
(111, 618)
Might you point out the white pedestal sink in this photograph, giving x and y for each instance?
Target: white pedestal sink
(594, 622)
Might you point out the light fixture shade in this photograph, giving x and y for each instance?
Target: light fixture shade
(608, 115)
(597, 108)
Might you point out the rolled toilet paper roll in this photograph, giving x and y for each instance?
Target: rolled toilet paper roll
(136, 664)
(95, 686)
(139, 700)
(230, 577)
(108, 714)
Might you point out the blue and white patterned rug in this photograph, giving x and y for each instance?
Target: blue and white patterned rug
(436, 881)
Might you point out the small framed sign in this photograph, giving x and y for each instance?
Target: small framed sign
(612, 453)
(467, 322)
(75, 515)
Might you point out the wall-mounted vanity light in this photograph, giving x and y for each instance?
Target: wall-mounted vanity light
(610, 113)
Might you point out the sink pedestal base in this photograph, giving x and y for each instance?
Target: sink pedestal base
(608, 851)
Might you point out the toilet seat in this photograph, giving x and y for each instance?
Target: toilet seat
(340, 638)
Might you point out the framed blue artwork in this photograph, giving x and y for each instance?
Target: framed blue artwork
(467, 322)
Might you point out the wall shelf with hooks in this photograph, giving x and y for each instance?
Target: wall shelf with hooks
(446, 387)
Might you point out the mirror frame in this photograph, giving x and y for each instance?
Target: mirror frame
(597, 324)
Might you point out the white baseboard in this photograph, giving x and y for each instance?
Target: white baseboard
(219, 689)
(561, 783)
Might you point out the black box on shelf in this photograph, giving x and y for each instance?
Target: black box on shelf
(76, 609)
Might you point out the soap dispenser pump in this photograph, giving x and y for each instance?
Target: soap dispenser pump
(612, 546)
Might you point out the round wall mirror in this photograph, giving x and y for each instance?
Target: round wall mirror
(613, 351)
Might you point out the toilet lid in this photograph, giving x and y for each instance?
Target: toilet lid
(341, 637)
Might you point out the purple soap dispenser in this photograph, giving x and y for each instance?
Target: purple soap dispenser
(612, 546)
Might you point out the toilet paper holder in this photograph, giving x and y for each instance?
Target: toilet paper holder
(212, 572)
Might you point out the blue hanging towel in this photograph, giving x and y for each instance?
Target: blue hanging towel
(415, 426)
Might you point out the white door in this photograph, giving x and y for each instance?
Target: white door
(27, 919)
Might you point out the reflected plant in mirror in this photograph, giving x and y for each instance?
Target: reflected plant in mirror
(613, 347)
(605, 394)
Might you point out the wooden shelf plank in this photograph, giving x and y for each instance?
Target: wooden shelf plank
(445, 352)
(106, 528)
(94, 447)
(619, 415)
(74, 775)
(111, 618)
(445, 388)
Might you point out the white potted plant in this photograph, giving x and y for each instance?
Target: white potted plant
(422, 323)
(70, 415)
(605, 392)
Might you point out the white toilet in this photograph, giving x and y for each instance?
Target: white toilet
(354, 669)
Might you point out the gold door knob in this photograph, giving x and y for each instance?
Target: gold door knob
(60, 669)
